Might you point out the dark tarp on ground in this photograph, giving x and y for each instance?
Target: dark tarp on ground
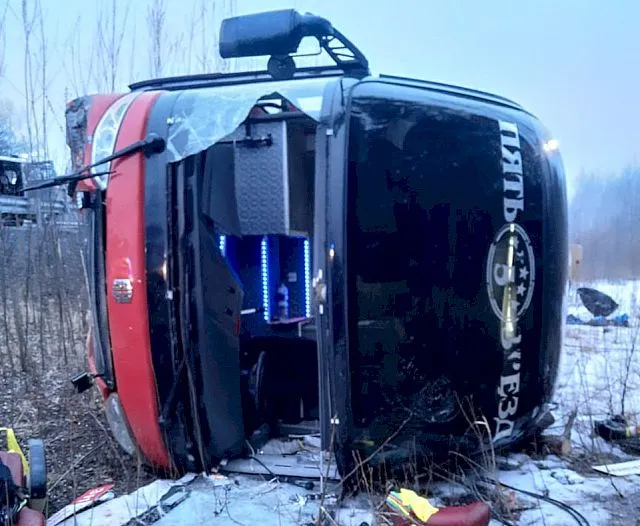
(596, 302)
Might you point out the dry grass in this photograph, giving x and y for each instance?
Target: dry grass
(43, 327)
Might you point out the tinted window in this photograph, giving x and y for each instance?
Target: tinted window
(418, 237)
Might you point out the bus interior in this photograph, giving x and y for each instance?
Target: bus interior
(256, 200)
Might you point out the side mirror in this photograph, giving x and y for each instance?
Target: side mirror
(82, 382)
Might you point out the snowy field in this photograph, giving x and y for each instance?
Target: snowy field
(599, 370)
(599, 377)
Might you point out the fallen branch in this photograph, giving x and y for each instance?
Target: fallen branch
(561, 444)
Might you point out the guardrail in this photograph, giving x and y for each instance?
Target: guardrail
(16, 205)
(28, 208)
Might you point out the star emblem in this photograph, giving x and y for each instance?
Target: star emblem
(521, 289)
(524, 273)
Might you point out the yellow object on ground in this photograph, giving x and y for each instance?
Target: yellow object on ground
(14, 447)
(407, 502)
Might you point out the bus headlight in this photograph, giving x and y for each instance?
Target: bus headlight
(118, 424)
(106, 134)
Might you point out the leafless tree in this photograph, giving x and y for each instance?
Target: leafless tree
(42, 294)
(171, 51)
(206, 24)
(156, 15)
(78, 66)
(603, 218)
(195, 48)
(3, 42)
(28, 27)
(183, 47)
(36, 78)
(134, 65)
(111, 29)
(43, 51)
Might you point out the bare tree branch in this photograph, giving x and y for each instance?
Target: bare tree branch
(607, 231)
(78, 65)
(206, 22)
(3, 42)
(36, 54)
(156, 14)
(133, 64)
(111, 27)
(28, 24)
(43, 82)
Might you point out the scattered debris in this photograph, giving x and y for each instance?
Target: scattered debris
(620, 469)
(615, 428)
(601, 306)
(410, 505)
(408, 508)
(122, 510)
(620, 432)
(170, 500)
(599, 321)
(220, 481)
(354, 516)
(597, 303)
(513, 462)
(87, 500)
(567, 477)
(561, 444)
(551, 462)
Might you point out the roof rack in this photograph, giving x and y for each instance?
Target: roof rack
(205, 80)
(277, 35)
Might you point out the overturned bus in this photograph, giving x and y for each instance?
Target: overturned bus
(374, 260)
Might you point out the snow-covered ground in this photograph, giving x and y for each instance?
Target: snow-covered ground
(599, 368)
(599, 371)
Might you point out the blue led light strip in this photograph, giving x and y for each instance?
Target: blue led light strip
(264, 267)
(223, 245)
(307, 278)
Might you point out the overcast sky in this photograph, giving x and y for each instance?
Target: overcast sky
(574, 63)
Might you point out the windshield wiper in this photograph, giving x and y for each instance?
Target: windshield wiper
(150, 145)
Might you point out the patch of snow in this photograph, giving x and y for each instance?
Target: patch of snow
(121, 510)
(550, 462)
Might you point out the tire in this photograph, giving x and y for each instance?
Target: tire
(37, 478)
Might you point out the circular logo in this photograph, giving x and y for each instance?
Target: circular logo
(510, 272)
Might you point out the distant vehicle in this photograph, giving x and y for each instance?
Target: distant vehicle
(419, 229)
(16, 206)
